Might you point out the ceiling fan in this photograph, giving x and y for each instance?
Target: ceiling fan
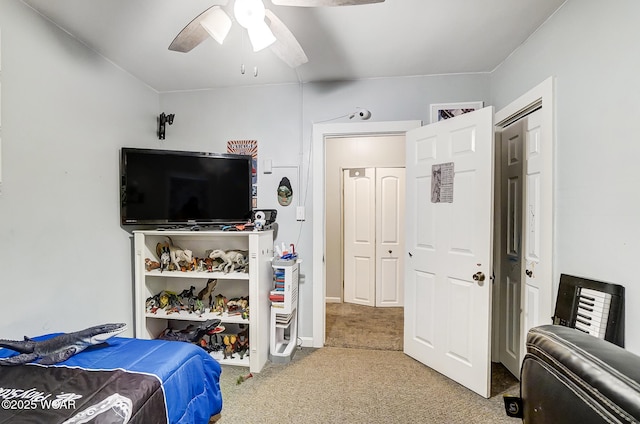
(263, 26)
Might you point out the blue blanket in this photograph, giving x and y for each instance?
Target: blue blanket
(188, 380)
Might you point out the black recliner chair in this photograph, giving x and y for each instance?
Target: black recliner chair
(568, 376)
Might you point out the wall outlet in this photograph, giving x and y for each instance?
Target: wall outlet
(300, 213)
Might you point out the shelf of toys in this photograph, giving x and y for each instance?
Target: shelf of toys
(212, 286)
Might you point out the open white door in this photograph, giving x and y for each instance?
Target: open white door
(510, 246)
(449, 245)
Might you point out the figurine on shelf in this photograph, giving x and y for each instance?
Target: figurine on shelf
(213, 263)
(171, 302)
(164, 256)
(229, 342)
(173, 257)
(207, 291)
(220, 304)
(181, 259)
(188, 299)
(242, 344)
(198, 307)
(237, 305)
(232, 260)
(213, 345)
(200, 265)
(190, 335)
(187, 293)
(150, 264)
(153, 304)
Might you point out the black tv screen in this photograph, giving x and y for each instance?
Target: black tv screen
(184, 188)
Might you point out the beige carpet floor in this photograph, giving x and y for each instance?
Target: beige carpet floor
(364, 327)
(339, 385)
(362, 376)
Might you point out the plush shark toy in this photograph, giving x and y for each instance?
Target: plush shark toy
(58, 348)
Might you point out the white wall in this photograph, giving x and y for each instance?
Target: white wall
(64, 260)
(281, 118)
(591, 48)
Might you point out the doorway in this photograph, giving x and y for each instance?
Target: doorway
(347, 324)
(373, 151)
(524, 296)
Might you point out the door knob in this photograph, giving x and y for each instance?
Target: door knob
(478, 276)
(529, 273)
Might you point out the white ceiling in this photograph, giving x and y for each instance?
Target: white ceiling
(393, 38)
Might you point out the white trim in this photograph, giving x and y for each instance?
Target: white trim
(319, 133)
(541, 92)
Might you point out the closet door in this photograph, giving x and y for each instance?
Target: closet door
(390, 198)
(359, 236)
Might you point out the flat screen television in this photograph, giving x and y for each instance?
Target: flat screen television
(167, 187)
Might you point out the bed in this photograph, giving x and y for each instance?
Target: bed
(122, 381)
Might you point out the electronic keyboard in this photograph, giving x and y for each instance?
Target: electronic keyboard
(593, 307)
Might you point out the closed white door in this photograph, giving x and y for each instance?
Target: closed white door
(448, 238)
(374, 236)
(390, 200)
(359, 236)
(510, 245)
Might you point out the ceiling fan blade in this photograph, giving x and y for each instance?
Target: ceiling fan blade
(193, 34)
(286, 46)
(320, 3)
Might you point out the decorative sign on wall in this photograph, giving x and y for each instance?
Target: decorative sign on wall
(440, 111)
(248, 147)
(442, 183)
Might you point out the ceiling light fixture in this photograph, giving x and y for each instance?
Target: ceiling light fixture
(250, 15)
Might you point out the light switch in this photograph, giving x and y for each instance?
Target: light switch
(267, 166)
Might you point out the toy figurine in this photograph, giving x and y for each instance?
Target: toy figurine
(237, 305)
(220, 304)
(188, 299)
(192, 336)
(232, 259)
(229, 346)
(150, 264)
(153, 304)
(207, 291)
(242, 344)
(164, 256)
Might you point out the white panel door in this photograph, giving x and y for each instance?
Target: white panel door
(390, 200)
(538, 287)
(448, 237)
(359, 236)
(510, 243)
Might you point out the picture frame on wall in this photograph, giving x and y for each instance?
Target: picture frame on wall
(441, 111)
